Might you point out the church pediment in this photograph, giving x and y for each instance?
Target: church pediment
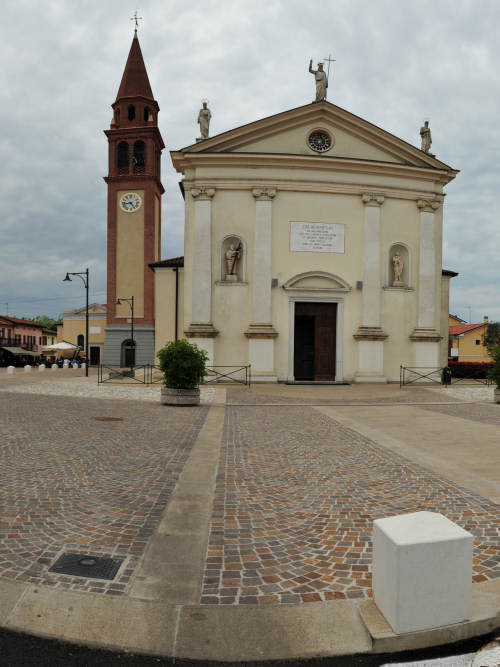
(317, 281)
(342, 136)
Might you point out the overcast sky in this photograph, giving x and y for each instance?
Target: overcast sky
(396, 64)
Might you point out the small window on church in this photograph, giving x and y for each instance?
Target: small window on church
(122, 157)
(131, 112)
(146, 114)
(139, 158)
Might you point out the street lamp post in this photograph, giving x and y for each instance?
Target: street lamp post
(130, 302)
(85, 279)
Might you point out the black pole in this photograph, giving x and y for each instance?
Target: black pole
(176, 300)
(87, 325)
(132, 327)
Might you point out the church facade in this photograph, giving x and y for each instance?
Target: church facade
(313, 250)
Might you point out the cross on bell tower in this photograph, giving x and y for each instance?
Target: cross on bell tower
(134, 212)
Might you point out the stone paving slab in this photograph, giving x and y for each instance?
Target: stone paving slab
(295, 499)
(71, 483)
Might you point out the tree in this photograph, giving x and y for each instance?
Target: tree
(492, 335)
(45, 321)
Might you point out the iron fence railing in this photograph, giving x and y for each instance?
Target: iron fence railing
(441, 375)
(151, 374)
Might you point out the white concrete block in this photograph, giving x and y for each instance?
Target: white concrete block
(261, 354)
(27, 368)
(10, 370)
(422, 571)
(83, 366)
(41, 367)
(54, 367)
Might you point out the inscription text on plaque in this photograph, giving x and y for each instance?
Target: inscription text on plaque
(316, 237)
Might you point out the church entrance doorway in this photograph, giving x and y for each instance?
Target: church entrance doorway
(315, 341)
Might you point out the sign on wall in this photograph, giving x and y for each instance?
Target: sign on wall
(316, 237)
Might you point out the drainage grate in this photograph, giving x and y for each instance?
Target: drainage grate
(90, 567)
(108, 419)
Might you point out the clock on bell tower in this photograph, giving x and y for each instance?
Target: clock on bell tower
(134, 216)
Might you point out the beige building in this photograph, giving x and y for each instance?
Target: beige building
(72, 330)
(313, 249)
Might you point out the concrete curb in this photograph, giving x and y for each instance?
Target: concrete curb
(232, 633)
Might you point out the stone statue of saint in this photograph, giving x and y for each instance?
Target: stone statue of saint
(232, 256)
(398, 266)
(204, 120)
(321, 81)
(425, 133)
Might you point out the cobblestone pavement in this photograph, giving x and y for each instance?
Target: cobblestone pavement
(71, 483)
(295, 498)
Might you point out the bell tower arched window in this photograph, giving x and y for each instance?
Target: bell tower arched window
(147, 113)
(139, 158)
(122, 157)
(131, 112)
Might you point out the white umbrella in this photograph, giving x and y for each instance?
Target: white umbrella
(62, 346)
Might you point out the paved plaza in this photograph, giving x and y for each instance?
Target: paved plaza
(260, 497)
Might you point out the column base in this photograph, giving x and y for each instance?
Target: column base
(261, 331)
(206, 344)
(205, 330)
(425, 335)
(370, 333)
(261, 359)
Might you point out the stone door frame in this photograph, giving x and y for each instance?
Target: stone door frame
(339, 373)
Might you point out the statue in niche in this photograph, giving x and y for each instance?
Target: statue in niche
(204, 117)
(232, 256)
(398, 266)
(321, 81)
(425, 133)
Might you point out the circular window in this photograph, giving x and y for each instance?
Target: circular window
(319, 141)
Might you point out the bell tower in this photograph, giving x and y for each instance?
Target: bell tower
(134, 216)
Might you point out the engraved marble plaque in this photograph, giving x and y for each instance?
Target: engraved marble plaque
(316, 237)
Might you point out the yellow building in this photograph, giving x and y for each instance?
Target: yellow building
(466, 341)
(72, 330)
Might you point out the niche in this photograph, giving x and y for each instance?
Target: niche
(399, 266)
(233, 258)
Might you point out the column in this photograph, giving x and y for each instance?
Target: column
(370, 335)
(201, 330)
(425, 336)
(261, 333)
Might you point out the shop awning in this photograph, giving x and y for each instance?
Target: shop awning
(19, 350)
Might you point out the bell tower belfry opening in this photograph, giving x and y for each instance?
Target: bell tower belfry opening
(134, 213)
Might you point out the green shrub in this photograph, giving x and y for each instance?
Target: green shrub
(183, 364)
(470, 369)
(494, 374)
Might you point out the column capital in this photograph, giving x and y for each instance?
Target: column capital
(202, 193)
(264, 194)
(429, 205)
(372, 199)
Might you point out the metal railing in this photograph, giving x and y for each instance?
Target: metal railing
(441, 375)
(151, 374)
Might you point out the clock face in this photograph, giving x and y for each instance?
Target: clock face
(130, 202)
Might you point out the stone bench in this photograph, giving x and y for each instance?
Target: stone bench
(422, 571)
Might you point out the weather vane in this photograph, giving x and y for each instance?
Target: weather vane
(136, 19)
(330, 60)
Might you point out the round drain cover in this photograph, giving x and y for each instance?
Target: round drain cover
(87, 561)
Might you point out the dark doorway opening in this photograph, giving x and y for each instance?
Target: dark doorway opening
(95, 356)
(128, 354)
(315, 341)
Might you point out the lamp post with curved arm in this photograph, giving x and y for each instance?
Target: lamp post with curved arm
(85, 279)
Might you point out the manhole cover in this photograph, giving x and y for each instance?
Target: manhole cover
(90, 567)
(108, 419)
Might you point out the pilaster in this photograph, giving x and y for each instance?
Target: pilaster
(370, 335)
(201, 326)
(261, 332)
(425, 331)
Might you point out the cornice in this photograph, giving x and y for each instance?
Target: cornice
(184, 161)
(290, 185)
(134, 180)
(135, 133)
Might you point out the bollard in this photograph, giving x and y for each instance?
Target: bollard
(41, 367)
(10, 370)
(53, 367)
(83, 367)
(27, 368)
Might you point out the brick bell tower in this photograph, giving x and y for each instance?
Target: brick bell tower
(134, 216)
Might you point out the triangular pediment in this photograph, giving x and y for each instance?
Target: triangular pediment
(287, 133)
